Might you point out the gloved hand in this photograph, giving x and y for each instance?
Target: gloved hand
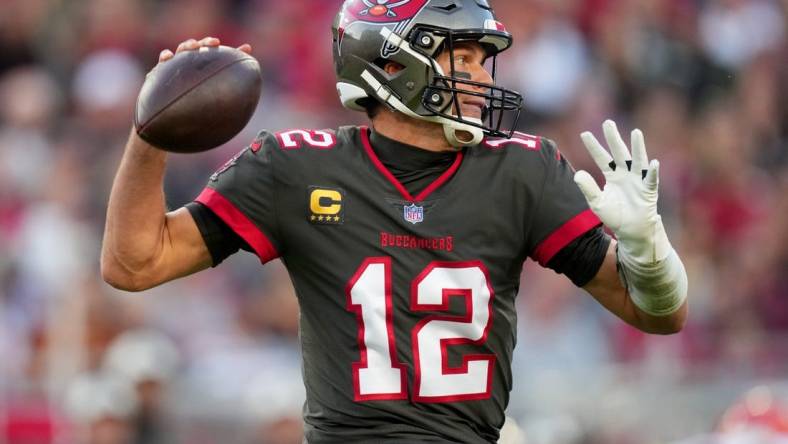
(628, 203)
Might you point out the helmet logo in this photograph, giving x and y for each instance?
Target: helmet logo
(396, 12)
(381, 11)
(382, 7)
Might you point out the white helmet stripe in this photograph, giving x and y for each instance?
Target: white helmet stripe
(397, 41)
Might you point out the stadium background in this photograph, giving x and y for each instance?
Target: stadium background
(214, 358)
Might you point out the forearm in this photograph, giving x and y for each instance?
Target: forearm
(136, 220)
(658, 287)
(144, 245)
(611, 291)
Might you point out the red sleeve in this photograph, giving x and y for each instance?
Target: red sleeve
(562, 214)
(242, 193)
(239, 223)
(564, 235)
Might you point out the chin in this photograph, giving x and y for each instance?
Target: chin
(472, 113)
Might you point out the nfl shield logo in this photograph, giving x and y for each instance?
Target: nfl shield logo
(413, 213)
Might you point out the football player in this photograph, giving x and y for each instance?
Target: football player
(405, 240)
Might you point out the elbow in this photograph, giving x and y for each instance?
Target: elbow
(660, 328)
(668, 328)
(666, 325)
(678, 323)
(118, 277)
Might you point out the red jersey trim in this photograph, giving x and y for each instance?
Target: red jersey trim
(239, 223)
(387, 174)
(564, 235)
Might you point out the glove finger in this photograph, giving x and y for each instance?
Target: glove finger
(639, 155)
(598, 153)
(588, 187)
(616, 144)
(652, 176)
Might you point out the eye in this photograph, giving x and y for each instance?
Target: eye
(461, 60)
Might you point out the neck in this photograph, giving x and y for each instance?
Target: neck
(397, 126)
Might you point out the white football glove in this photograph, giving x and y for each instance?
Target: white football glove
(628, 203)
(650, 269)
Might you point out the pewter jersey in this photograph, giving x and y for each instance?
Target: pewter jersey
(408, 316)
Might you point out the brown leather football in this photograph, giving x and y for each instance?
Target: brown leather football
(198, 100)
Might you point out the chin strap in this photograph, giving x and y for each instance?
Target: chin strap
(459, 135)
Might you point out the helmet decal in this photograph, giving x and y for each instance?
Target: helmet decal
(382, 11)
(396, 12)
(388, 49)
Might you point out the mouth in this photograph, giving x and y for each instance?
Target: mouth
(473, 107)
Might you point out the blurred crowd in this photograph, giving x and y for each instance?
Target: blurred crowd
(214, 358)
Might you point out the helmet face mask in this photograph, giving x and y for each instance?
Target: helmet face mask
(413, 34)
(441, 97)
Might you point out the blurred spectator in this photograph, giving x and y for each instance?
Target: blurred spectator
(147, 360)
(102, 407)
(759, 412)
(549, 65)
(734, 32)
(275, 405)
(20, 23)
(105, 88)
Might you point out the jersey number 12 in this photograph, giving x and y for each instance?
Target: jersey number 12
(379, 375)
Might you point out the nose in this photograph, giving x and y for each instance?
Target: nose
(481, 75)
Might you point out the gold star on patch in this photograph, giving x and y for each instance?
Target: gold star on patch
(314, 217)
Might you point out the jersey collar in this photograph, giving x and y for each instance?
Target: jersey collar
(421, 196)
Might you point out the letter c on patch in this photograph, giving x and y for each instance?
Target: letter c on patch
(325, 202)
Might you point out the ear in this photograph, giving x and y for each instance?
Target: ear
(393, 68)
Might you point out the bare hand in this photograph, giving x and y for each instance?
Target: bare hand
(193, 45)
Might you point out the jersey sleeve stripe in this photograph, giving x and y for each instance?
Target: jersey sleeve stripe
(564, 235)
(239, 223)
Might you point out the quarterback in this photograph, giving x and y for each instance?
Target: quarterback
(405, 240)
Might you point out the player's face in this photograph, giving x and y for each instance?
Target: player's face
(469, 64)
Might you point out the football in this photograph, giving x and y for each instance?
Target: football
(198, 100)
